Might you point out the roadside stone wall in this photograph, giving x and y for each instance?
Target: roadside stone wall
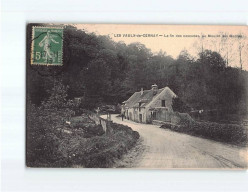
(106, 125)
(175, 118)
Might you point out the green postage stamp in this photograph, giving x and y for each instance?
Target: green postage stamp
(47, 46)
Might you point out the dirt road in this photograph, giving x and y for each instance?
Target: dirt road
(168, 149)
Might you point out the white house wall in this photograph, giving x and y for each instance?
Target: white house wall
(133, 114)
(164, 95)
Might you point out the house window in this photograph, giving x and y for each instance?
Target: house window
(163, 103)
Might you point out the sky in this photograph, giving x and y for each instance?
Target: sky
(172, 39)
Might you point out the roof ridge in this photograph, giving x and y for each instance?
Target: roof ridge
(149, 90)
(146, 95)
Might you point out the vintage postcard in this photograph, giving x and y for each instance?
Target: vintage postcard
(137, 96)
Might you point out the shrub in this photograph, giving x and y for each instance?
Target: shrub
(48, 144)
(44, 128)
(228, 133)
(166, 126)
(88, 131)
(101, 151)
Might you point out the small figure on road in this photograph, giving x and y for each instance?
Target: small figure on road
(122, 116)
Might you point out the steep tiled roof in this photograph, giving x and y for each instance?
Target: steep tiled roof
(144, 99)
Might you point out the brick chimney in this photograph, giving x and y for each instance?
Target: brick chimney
(154, 89)
(141, 91)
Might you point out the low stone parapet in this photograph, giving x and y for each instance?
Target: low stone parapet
(106, 124)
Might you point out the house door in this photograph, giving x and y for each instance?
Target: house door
(154, 115)
(140, 118)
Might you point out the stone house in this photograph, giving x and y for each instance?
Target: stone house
(148, 105)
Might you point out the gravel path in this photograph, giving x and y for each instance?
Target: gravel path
(163, 148)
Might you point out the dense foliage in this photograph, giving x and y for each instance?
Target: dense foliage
(179, 106)
(45, 128)
(105, 72)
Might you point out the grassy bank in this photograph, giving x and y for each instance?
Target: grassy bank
(102, 151)
(81, 143)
